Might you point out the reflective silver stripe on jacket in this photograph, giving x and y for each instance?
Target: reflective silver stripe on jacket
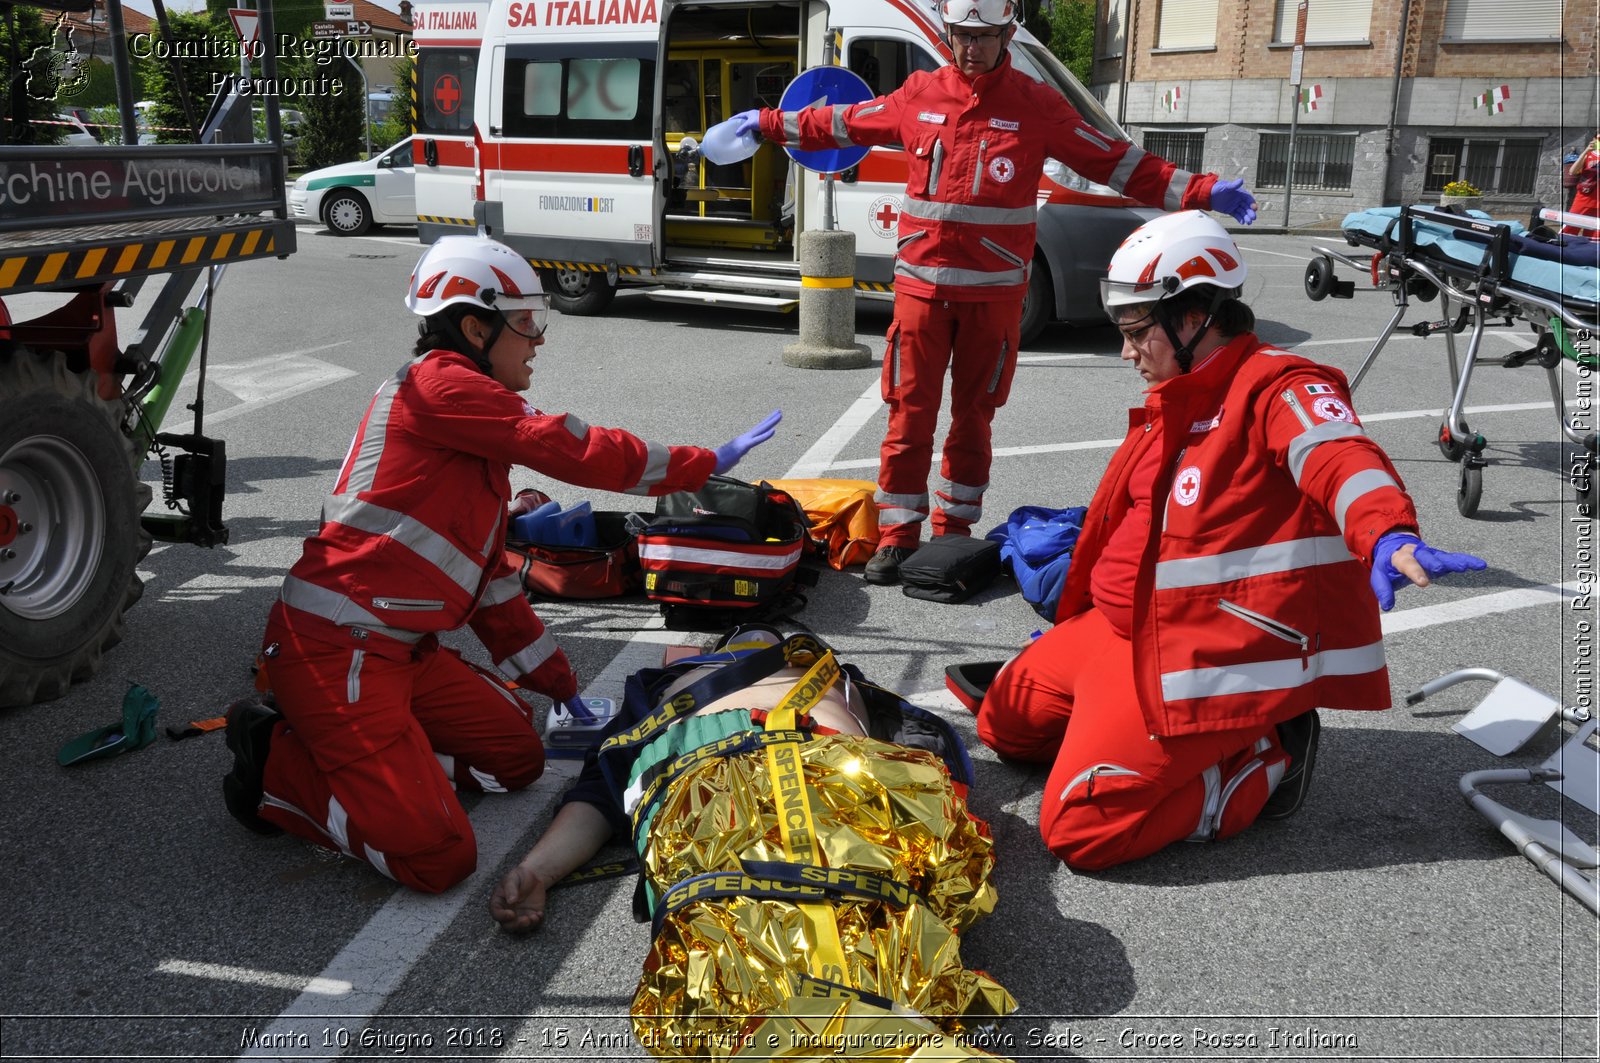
(966, 278)
(1301, 446)
(1124, 171)
(1251, 561)
(337, 609)
(841, 135)
(1261, 676)
(364, 469)
(657, 457)
(1363, 482)
(791, 127)
(1092, 138)
(500, 591)
(576, 425)
(1173, 199)
(531, 656)
(461, 569)
(963, 212)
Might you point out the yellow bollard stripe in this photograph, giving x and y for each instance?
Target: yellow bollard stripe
(827, 282)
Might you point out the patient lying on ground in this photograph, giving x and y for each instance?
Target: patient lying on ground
(802, 833)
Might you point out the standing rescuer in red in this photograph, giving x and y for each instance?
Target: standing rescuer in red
(1227, 582)
(977, 134)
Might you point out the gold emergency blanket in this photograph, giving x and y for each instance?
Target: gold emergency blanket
(726, 966)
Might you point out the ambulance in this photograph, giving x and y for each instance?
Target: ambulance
(570, 130)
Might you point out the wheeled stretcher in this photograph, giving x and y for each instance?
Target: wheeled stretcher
(1512, 717)
(1485, 271)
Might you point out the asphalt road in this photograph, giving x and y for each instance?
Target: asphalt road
(1387, 920)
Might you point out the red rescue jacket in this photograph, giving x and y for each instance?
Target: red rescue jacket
(412, 536)
(1252, 602)
(976, 150)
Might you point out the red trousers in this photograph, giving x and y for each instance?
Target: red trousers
(1116, 792)
(977, 344)
(368, 749)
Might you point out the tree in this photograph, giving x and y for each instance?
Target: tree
(193, 35)
(1072, 36)
(334, 127)
(1036, 17)
(26, 43)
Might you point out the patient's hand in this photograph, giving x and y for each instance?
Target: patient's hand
(517, 903)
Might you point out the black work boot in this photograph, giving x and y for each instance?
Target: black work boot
(1298, 737)
(884, 566)
(250, 723)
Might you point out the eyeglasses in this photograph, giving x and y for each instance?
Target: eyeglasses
(967, 40)
(1137, 332)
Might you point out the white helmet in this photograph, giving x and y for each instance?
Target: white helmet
(1171, 254)
(978, 12)
(479, 271)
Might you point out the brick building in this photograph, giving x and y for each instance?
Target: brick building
(1397, 97)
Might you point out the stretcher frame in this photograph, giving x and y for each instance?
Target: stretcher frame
(1510, 718)
(1478, 293)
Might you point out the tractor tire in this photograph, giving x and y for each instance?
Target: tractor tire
(70, 537)
(579, 292)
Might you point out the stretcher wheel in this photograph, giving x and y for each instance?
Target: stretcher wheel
(1319, 279)
(1470, 491)
(1447, 444)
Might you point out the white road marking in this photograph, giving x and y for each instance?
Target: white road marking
(817, 460)
(274, 379)
(1482, 605)
(1306, 257)
(247, 976)
(1106, 444)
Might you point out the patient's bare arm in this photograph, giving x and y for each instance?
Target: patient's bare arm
(573, 837)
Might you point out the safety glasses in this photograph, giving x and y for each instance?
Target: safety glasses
(968, 39)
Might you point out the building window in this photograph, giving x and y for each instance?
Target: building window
(1111, 33)
(1326, 20)
(1322, 161)
(1184, 149)
(1187, 24)
(1501, 20)
(1498, 166)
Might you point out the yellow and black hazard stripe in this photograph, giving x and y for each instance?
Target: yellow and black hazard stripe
(584, 267)
(435, 219)
(107, 260)
(873, 286)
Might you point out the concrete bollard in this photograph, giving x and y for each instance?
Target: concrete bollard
(827, 304)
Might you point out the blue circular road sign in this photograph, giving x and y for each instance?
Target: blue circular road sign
(824, 86)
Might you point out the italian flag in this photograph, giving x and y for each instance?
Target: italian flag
(1171, 98)
(1495, 99)
(1310, 97)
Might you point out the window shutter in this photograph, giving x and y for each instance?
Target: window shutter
(1188, 24)
(1326, 20)
(1502, 20)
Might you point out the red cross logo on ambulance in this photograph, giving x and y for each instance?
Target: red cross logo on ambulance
(1002, 169)
(447, 94)
(1186, 488)
(883, 216)
(1329, 408)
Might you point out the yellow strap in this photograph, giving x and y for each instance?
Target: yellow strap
(796, 827)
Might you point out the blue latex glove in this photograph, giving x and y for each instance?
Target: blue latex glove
(575, 705)
(747, 123)
(1386, 579)
(729, 453)
(1230, 197)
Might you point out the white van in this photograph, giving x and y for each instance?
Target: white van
(568, 128)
